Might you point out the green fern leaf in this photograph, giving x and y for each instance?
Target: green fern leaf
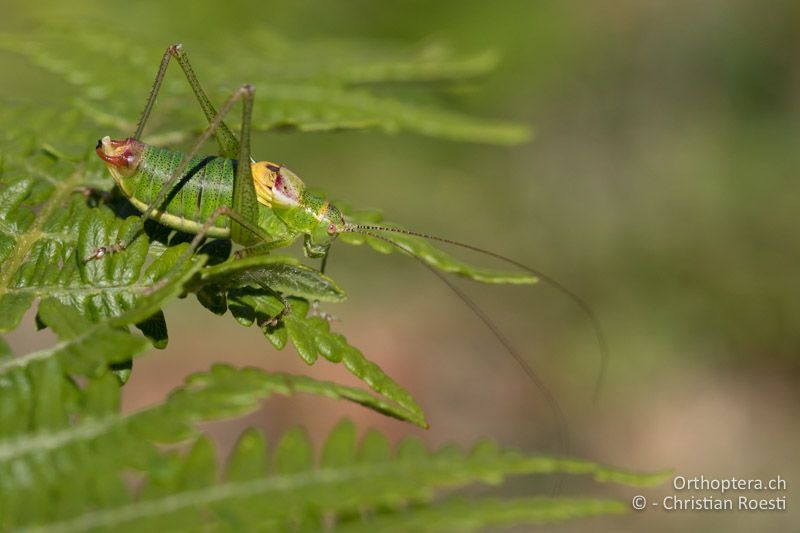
(310, 87)
(312, 337)
(87, 348)
(422, 249)
(283, 274)
(294, 491)
(40, 402)
(248, 460)
(462, 515)
(99, 442)
(314, 108)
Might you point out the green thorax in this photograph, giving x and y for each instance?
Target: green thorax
(206, 185)
(305, 216)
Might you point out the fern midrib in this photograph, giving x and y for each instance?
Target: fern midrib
(51, 440)
(25, 360)
(282, 384)
(474, 468)
(13, 447)
(27, 239)
(62, 290)
(218, 493)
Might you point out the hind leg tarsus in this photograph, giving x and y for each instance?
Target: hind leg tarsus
(103, 251)
(324, 315)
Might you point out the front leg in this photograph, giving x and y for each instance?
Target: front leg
(314, 250)
(315, 309)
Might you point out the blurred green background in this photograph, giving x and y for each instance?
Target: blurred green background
(661, 185)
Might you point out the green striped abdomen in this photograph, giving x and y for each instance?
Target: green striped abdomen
(206, 184)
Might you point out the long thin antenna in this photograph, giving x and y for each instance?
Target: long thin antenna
(580, 302)
(555, 407)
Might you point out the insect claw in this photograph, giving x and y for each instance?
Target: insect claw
(101, 252)
(97, 254)
(327, 317)
(316, 311)
(287, 308)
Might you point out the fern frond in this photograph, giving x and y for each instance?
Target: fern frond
(311, 337)
(350, 61)
(89, 443)
(35, 389)
(40, 399)
(284, 274)
(308, 86)
(424, 250)
(359, 490)
(462, 515)
(314, 108)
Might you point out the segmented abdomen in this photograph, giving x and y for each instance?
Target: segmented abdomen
(206, 184)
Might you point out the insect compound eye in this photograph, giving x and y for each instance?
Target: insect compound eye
(331, 228)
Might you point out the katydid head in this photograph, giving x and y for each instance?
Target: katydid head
(122, 157)
(327, 223)
(331, 221)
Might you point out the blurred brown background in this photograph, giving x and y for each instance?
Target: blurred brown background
(661, 185)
